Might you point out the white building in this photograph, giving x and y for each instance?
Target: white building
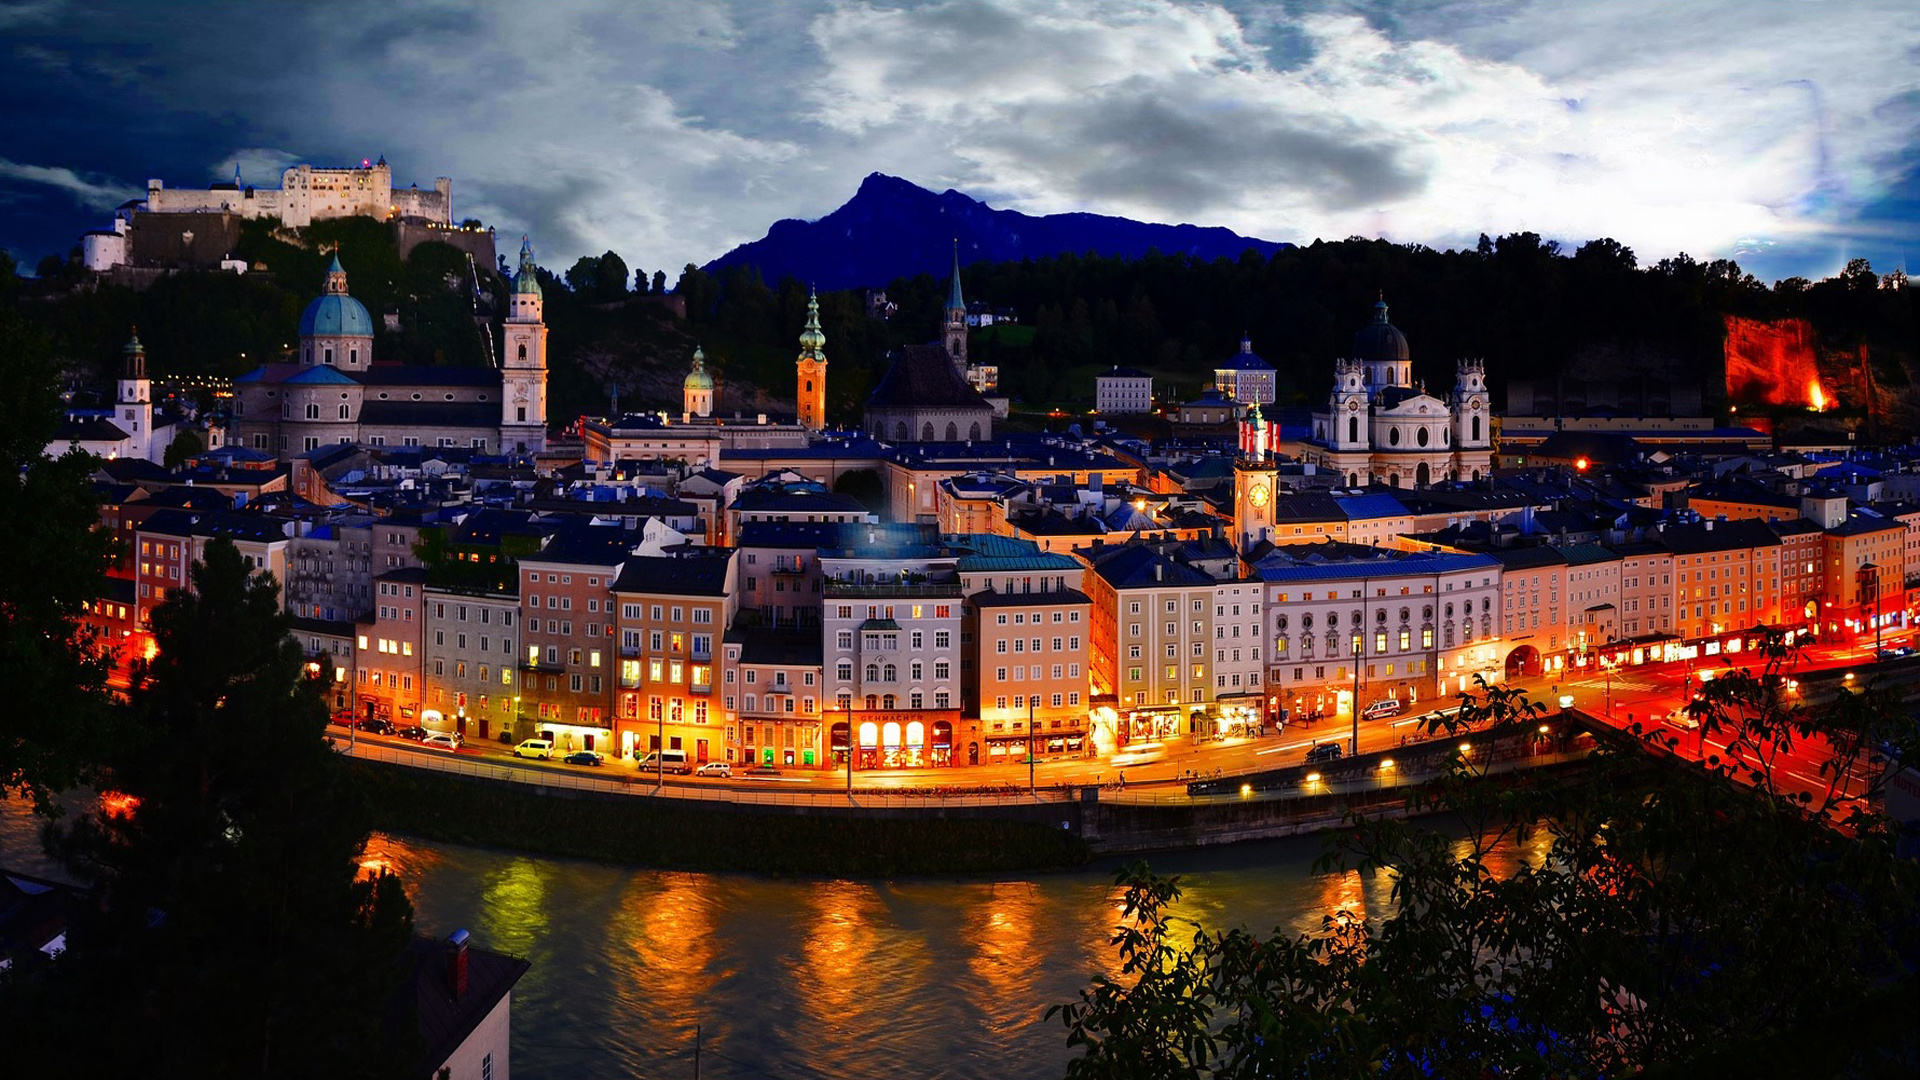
(1427, 622)
(1244, 377)
(1380, 427)
(890, 644)
(1123, 391)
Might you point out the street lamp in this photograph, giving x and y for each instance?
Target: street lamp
(1868, 585)
(1032, 789)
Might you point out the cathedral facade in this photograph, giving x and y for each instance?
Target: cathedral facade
(1379, 426)
(333, 392)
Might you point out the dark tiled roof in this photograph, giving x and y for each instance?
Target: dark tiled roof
(923, 377)
(766, 647)
(426, 997)
(810, 535)
(88, 431)
(694, 575)
(1722, 536)
(329, 627)
(1137, 566)
(1528, 558)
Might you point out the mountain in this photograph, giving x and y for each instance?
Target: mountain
(892, 228)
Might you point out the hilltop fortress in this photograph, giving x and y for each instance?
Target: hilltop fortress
(306, 194)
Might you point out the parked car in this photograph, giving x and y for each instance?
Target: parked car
(761, 770)
(441, 740)
(377, 726)
(671, 761)
(1681, 718)
(415, 732)
(1326, 751)
(585, 757)
(1384, 708)
(535, 748)
(714, 768)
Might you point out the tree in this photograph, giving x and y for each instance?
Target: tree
(227, 868)
(184, 446)
(582, 275)
(659, 283)
(56, 563)
(610, 279)
(1642, 913)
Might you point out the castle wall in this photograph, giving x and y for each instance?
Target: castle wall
(408, 235)
(182, 240)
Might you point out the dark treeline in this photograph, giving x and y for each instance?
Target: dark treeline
(1526, 305)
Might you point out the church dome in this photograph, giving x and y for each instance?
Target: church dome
(1380, 339)
(698, 379)
(335, 314)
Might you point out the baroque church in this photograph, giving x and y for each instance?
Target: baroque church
(930, 393)
(333, 392)
(1380, 427)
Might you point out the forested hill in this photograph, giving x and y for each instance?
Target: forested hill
(1527, 306)
(892, 228)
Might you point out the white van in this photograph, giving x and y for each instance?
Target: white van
(535, 748)
(673, 761)
(441, 740)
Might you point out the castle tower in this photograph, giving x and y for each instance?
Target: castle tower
(696, 393)
(955, 333)
(335, 329)
(134, 400)
(810, 371)
(523, 367)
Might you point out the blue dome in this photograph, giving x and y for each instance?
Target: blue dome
(336, 316)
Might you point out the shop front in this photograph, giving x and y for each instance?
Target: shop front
(897, 739)
(1153, 724)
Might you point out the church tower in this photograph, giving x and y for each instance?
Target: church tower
(955, 332)
(1472, 420)
(523, 368)
(1254, 484)
(810, 371)
(696, 393)
(134, 402)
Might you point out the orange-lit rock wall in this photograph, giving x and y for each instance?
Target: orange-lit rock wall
(1774, 363)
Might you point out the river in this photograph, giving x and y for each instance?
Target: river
(803, 978)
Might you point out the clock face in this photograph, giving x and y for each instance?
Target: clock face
(1353, 406)
(1258, 496)
(1474, 404)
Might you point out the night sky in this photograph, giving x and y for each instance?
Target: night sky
(1784, 135)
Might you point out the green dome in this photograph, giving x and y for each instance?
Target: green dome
(698, 379)
(527, 281)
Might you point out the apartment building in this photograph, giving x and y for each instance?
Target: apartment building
(1726, 576)
(1151, 640)
(1033, 682)
(566, 632)
(771, 681)
(472, 646)
(671, 612)
(387, 648)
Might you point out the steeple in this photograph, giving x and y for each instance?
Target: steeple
(526, 282)
(336, 276)
(812, 342)
(954, 300)
(954, 334)
(810, 370)
(136, 357)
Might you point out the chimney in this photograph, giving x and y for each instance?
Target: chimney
(457, 963)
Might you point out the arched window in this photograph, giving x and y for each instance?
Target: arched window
(309, 360)
(523, 352)
(953, 431)
(915, 671)
(886, 701)
(1421, 475)
(1393, 436)
(926, 431)
(1353, 429)
(1476, 438)
(286, 410)
(329, 356)
(353, 357)
(345, 412)
(872, 703)
(873, 672)
(900, 431)
(313, 411)
(974, 432)
(890, 674)
(809, 386)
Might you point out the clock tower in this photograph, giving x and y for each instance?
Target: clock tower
(1254, 487)
(523, 368)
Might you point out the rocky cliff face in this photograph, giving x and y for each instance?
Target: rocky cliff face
(892, 228)
(1785, 363)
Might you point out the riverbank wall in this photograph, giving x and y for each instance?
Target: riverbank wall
(880, 835)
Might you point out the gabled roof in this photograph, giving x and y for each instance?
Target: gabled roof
(426, 996)
(320, 375)
(1138, 566)
(923, 377)
(703, 574)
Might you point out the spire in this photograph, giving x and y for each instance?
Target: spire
(812, 341)
(136, 356)
(336, 275)
(954, 299)
(527, 280)
(236, 174)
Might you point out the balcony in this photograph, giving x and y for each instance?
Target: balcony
(629, 652)
(552, 668)
(788, 570)
(701, 687)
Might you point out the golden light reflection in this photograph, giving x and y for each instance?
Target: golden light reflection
(1004, 928)
(665, 939)
(1343, 893)
(514, 907)
(843, 942)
